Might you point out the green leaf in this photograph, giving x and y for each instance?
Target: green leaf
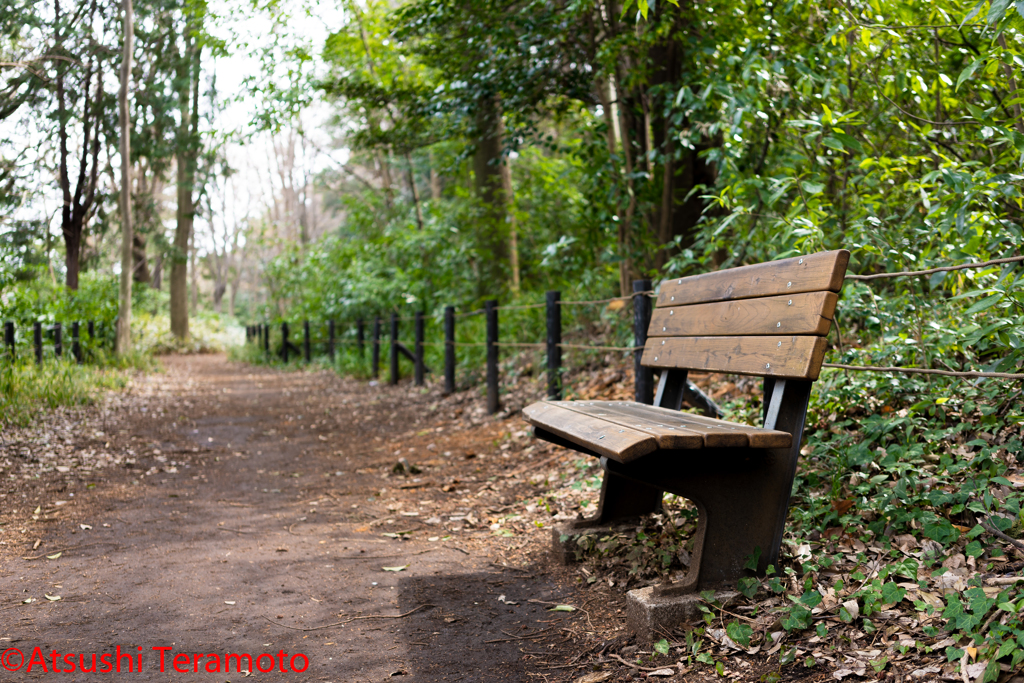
(562, 608)
(974, 549)
(755, 556)
(661, 647)
(987, 302)
(996, 11)
(747, 585)
(834, 143)
(849, 141)
(739, 632)
(812, 188)
(798, 618)
(891, 593)
(973, 13)
(969, 71)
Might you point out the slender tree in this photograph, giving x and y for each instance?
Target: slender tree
(79, 202)
(186, 157)
(124, 321)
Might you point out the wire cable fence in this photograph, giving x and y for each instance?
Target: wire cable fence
(553, 345)
(965, 374)
(287, 346)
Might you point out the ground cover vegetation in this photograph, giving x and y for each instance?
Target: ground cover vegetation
(472, 151)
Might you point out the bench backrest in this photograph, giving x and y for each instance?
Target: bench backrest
(768, 319)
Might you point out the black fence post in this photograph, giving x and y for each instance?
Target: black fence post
(305, 341)
(554, 317)
(393, 376)
(330, 339)
(376, 347)
(419, 348)
(361, 338)
(92, 330)
(266, 340)
(58, 341)
(644, 384)
(37, 339)
(76, 343)
(9, 339)
(491, 314)
(449, 349)
(284, 342)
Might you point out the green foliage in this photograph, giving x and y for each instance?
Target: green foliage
(27, 389)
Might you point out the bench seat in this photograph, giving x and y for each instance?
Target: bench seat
(626, 430)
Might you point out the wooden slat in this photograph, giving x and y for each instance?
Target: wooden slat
(671, 434)
(822, 271)
(797, 356)
(619, 443)
(717, 433)
(808, 313)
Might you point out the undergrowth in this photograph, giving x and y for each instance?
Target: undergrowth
(27, 389)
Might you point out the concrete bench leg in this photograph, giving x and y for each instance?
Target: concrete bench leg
(622, 503)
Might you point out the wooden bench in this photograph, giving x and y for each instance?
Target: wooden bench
(769, 319)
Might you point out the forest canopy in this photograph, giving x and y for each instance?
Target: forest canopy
(377, 155)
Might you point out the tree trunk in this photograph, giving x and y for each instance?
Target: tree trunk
(187, 150)
(194, 273)
(492, 179)
(219, 288)
(123, 343)
(140, 271)
(76, 206)
(158, 271)
(415, 191)
(682, 172)
(435, 180)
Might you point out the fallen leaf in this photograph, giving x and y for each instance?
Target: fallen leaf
(229, 602)
(562, 608)
(842, 506)
(54, 556)
(51, 598)
(595, 677)
(975, 670)
(921, 673)
(501, 598)
(282, 550)
(852, 608)
(662, 672)
(36, 544)
(38, 510)
(85, 527)
(28, 600)
(396, 569)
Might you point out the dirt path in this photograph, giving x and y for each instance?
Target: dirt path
(251, 512)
